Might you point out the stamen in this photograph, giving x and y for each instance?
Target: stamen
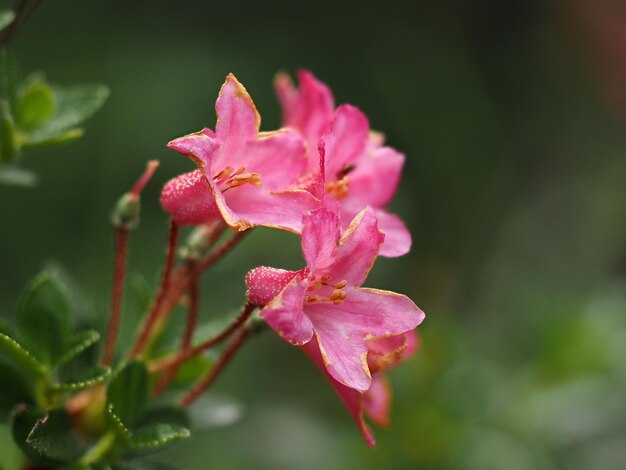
(326, 278)
(341, 284)
(225, 173)
(336, 294)
(315, 286)
(337, 189)
(311, 298)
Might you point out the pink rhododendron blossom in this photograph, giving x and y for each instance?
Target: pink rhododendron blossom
(248, 174)
(359, 170)
(375, 403)
(325, 301)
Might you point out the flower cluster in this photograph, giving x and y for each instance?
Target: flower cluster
(327, 177)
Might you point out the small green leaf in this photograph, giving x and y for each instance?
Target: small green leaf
(191, 370)
(53, 437)
(36, 105)
(23, 421)
(77, 344)
(59, 139)
(84, 380)
(164, 414)
(6, 17)
(21, 356)
(9, 145)
(74, 105)
(119, 427)
(14, 176)
(43, 317)
(129, 392)
(156, 436)
(15, 388)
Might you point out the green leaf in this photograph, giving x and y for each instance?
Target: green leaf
(9, 77)
(77, 344)
(74, 105)
(14, 176)
(23, 421)
(53, 437)
(59, 139)
(156, 436)
(165, 414)
(9, 145)
(129, 392)
(21, 356)
(83, 380)
(15, 388)
(43, 317)
(119, 427)
(191, 370)
(6, 17)
(36, 105)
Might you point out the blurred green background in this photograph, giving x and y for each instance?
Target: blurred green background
(512, 118)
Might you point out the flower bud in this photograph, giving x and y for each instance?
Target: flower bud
(264, 283)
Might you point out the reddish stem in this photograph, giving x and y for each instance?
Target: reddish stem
(173, 362)
(192, 320)
(143, 180)
(223, 360)
(119, 275)
(170, 258)
(182, 277)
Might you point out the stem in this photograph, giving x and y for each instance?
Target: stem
(170, 258)
(119, 274)
(192, 320)
(22, 10)
(171, 362)
(228, 245)
(181, 280)
(224, 359)
(99, 450)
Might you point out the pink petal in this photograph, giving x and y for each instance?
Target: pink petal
(320, 236)
(352, 400)
(388, 352)
(200, 146)
(365, 314)
(279, 156)
(238, 122)
(376, 402)
(397, 236)
(309, 109)
(188, 199)
(375, 179)
(358, 249)
(265, 283)
(286, 316)
(345, 141)
(248, 206)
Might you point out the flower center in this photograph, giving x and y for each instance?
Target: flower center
(328, 292)
(337, 189)
(229, 178)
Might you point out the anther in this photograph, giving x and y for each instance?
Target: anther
(340, 285)
(326, 278)
(336, 294)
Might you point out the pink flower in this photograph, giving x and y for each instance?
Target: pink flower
(244, 175)
(326, 301)
(375, 403)
(359, 170)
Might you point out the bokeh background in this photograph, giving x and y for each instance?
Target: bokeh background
(512, 116)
